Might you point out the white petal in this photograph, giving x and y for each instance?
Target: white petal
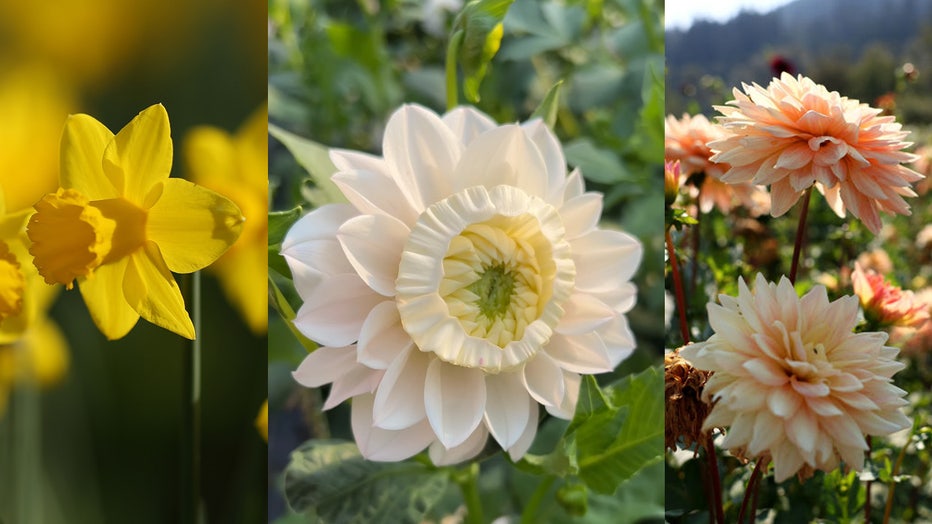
(618, 339)
(543, 379)
(605, 259)
(422, 153)
(324, 365)
(356, 381)
(455, 400)
(549, 147)
(574, 185)
(584, 353)
(399, 401)
(467, 123)
(384, 445)
(373, 244)
(524, 442)
(567, 408)
(375, 192)
(382, 338)
(581, 214)
(506, 410)
(584, 313)
(442, 456)
(503, 156)
(311, 250)
(786, 460)
(334, 313)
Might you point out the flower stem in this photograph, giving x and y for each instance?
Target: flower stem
(453, 49)
(800, 233)
(717, 508)
(867, 486)
(752, 487)
(529, 515)
(678, 288)
(468, 480)
(888, 510)
(191, 409)
(27, 460)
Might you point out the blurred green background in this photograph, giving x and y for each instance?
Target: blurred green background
(111, 428)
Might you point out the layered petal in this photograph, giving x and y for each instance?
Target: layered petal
(151, 290)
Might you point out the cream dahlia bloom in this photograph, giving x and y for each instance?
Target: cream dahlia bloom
(791, 380)
(795, 134)
(465, 282)
(686, 140)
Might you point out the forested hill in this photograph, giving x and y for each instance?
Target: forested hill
(853, 46)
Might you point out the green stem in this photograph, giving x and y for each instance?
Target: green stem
(191, 409)
(888, 508)
(452, 50)
(529, 515)
(468, 480)
(27, 436)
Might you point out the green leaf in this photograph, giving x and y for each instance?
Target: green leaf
(280, 222)
(596, 164)
(281, 304)
(547, 110)
(616, 439)
(481, 23)
(315, 159)
(331, 478)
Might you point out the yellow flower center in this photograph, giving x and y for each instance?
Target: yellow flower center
(12, 283)
(497, 277)
(71, 236)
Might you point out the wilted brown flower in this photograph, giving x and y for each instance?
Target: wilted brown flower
(685, 411)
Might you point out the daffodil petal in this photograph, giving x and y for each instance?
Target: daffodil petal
(250, 295)
(192, 225)
(151, 290)
(210, 156)
(110, 311)
(83, 143)
(141, 154)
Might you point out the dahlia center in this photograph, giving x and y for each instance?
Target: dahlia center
(484, 276)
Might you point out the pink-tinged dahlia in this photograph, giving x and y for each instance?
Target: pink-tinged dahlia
(884, 304)
(795, 134)
(685, 140)
(791, 380)
(465, 283)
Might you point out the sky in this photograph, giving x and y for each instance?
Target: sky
(680, 14)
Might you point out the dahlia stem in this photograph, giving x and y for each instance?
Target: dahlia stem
(529, 515)
(678, 288)
(752, 486)
(191, 410)
(453, 49)
(867, 486)
(800, 233)
(888, 509)
(710, 454)
(468, 480)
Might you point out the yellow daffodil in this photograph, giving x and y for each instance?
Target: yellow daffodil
(262, 421)
(119, 225)
(32, 348)
(33, 102)
(237, 165)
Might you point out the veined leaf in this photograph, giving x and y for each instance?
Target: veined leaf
(331, 478)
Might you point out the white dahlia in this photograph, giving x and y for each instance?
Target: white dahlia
(465, 283)
(792, 381)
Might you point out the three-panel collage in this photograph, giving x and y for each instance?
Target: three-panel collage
(466, 262)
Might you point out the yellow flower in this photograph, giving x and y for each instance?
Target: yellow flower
(237, 165)
(262, 421)
(120, 225)
(31, 347)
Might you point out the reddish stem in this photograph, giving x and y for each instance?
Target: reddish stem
(716, 506)
(678, 288)
(800, 233)
(751, 488)
(867, 486)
